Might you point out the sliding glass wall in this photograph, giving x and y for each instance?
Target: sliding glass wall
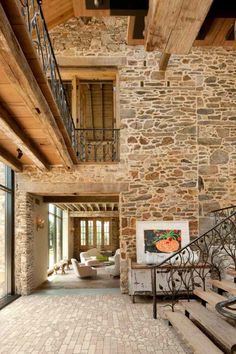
(6, 230)
(55, 234)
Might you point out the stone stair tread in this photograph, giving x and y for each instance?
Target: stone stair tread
(209, 296)
(216, 326)
(193, 336)
(226, 285)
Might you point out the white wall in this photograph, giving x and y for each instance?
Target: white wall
(40, 242)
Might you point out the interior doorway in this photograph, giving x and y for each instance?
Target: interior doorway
(83, 242)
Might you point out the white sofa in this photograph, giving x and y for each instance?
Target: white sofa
(88, 256)
(82, 271)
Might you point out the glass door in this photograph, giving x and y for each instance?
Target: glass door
(6, 231)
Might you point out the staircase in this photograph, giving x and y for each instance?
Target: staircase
(204, 315)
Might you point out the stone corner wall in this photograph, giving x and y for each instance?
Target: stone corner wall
(24, 243)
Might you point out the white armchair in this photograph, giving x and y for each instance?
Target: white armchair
(82, 271)
(112, 258)
(114, 269)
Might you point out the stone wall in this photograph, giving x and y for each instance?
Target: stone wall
(24, 243)
(178, 131)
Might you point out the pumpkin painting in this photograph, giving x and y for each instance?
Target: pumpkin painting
(162, 241)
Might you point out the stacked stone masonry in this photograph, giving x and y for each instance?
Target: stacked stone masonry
(178, 132)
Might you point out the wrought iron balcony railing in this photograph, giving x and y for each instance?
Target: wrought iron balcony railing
(205, 257)
(33, 14)
(98, 145)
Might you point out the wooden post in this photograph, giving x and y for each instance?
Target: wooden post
(164, 61)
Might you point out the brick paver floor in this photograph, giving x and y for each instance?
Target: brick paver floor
(98, 324)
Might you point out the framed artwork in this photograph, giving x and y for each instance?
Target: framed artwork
(157, 240)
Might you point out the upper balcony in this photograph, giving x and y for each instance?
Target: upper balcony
(36, 124)
(36, 127)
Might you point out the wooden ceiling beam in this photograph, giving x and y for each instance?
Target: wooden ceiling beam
(61, 206)
(81, 199)
(9, 127)
(76, 206)
(173, 25)
(70, 207)
(10, 160)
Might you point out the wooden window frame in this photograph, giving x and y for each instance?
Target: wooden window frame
(102, 246)
(75, 75)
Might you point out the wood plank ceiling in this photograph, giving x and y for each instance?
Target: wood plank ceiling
(96, 209)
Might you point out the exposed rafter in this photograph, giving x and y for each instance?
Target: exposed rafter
(9, 160)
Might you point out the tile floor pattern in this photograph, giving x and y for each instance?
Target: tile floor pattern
(98, 324)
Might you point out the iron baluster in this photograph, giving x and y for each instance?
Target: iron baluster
(97, 149)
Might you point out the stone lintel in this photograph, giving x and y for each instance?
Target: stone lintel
(91, 61)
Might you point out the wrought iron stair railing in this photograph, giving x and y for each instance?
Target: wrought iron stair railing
(190, 267)
(35, 21)
(225, 308)
(222, 213)
(98, 145)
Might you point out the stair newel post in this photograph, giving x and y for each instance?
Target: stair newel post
(154, 291)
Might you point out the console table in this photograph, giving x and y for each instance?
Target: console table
(140, 279)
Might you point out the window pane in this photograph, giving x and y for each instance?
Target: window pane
(52, 258)
(90, 232)
(59, 212)
(99, 232)
(106, 233)
(83, 233)
(3, 284)
(51, 208)
(59, 238)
